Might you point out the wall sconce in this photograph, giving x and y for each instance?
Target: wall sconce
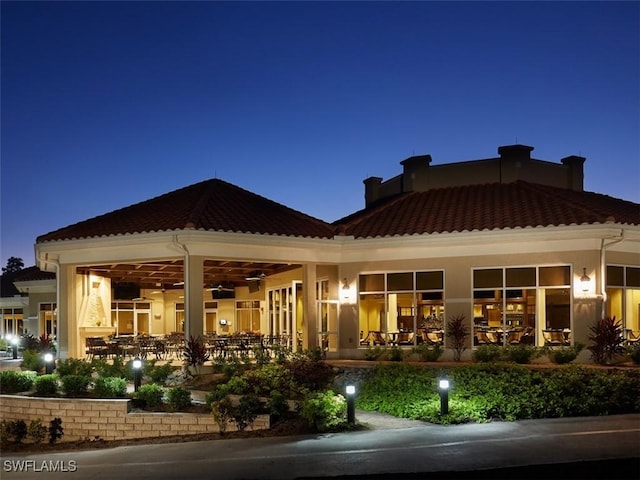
(585, 280)
(345, 284)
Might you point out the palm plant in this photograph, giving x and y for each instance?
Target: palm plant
(457, 334)
(608, 339)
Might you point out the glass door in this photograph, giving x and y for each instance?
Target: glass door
(327, 315)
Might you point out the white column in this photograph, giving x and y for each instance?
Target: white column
(67, 332)
(310, 325)
(193, 296)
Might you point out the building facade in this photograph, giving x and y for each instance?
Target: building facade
(512, 244)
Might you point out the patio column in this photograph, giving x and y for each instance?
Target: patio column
(309, 307)
(193, 296)
(67, 318)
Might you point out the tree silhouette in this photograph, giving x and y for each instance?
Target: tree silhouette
(14, 264)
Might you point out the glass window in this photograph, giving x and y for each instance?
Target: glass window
(623, 298)
(48, 316)
(429, 280)
(400, 281)
(516, 312)
(12, 321)
(555, 276)
(521, 277)
(615, 276)
(401, 314)
(248, 316)
(487, 278)
(633, 277)
(372, 283)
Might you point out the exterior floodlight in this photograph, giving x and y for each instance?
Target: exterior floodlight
(14, 343)
(48, 363)
(137, 373)
(444, 396)
(351, 404)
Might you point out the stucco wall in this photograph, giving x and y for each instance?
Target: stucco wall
(110, 419)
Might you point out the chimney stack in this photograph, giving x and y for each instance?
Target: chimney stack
(575, 172)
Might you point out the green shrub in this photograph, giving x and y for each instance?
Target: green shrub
(373, 353)
(428, 353)
(74, 366)
(110, 387)
(151, 394)
(394, 354)
(32, 360)
(46, 385)
(634, 354)
(222, 412)
(308, 372)
(325, 411)
(4, 432)
(15, 382)
(116, 368)
(158, 373)
(219, 392)
(521, 353)
(178, 398)
(246, 411)
(37, 431)
(564, 355)
(487, 353)
(277, 404)
(56, 431)
(238, 386)
(75, 385)
(266, 378)
(18, 430)
(500, 391)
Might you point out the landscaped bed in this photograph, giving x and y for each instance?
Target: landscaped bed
(303, 393)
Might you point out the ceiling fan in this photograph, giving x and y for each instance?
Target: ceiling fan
(222, 287)
(255, 276)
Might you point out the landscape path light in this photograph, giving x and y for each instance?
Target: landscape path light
(14, 343)
(137, 373)
(351, 404)
(443, 386)
(48, 363)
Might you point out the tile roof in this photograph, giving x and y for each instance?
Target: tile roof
(7, 280)
(216, 205)
(485, 207)
(213, 205)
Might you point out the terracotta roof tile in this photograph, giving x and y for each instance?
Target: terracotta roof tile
(213, 205)
(486, 207)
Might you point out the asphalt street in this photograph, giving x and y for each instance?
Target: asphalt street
(593, 447)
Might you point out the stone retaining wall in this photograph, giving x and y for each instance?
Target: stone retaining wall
(110, 419)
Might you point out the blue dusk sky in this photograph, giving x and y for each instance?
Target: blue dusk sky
(106, 104)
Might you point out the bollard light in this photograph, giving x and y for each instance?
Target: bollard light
(137, 373)
(351, 404)
(48, 363)
(14, 342)
(443, 384)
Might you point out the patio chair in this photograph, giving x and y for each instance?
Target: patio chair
(553, 338)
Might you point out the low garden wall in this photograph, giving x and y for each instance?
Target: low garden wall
(110, 419)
